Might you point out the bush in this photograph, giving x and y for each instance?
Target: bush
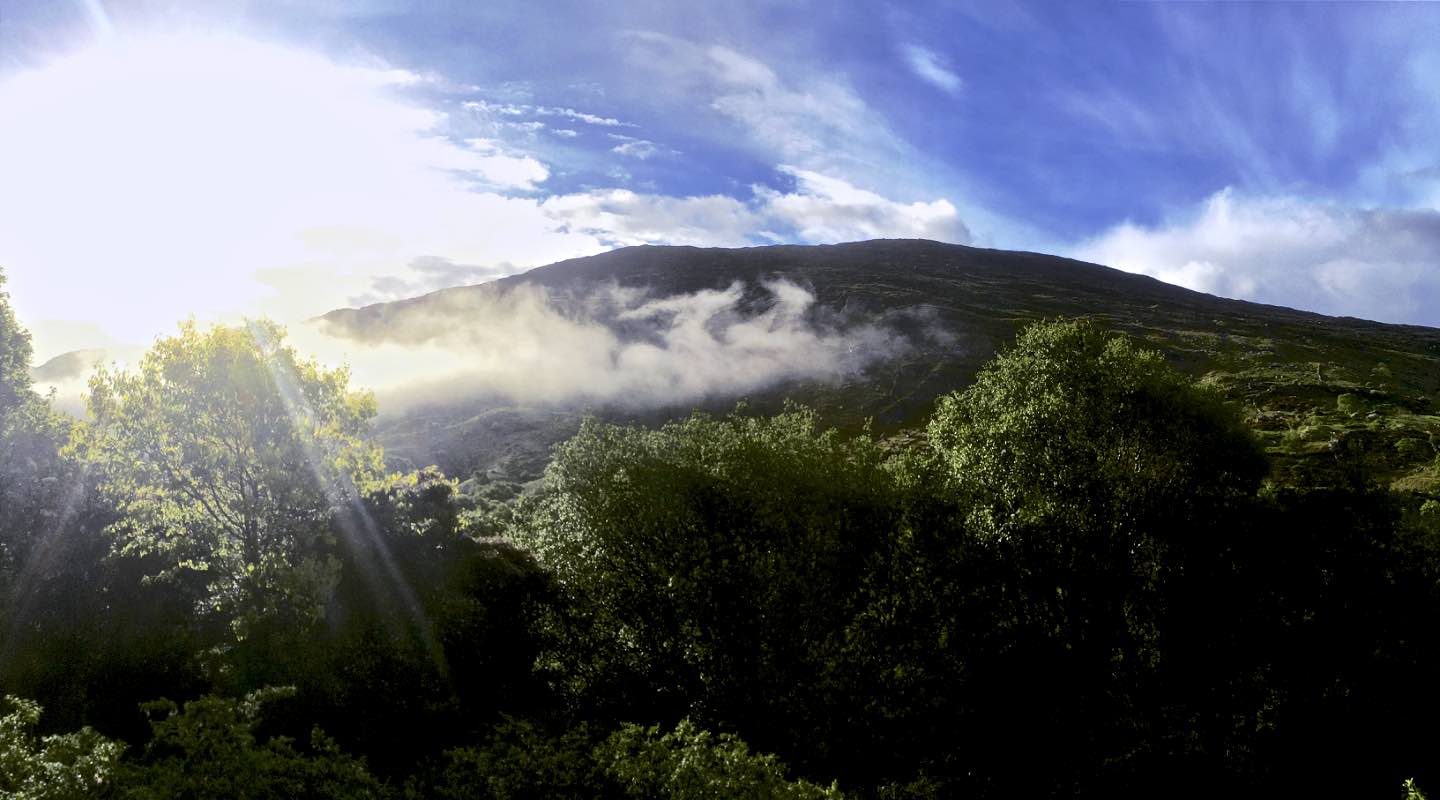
(1350, 403)
(72, 766)
(693, 764)
(210, 751)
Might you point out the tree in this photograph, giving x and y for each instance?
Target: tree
(30, 437)
(227, 456)
(522, 760)
(71, 766)
(1078, 427)
(209, 750)
(78, 634)
(15, 356)
(689, 763)
(1104, 490)
(41, 493)
(713, 567)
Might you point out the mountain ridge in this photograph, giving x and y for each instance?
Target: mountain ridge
(1286, 368)
(578, 267)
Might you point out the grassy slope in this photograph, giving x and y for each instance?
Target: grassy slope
(1322, 392)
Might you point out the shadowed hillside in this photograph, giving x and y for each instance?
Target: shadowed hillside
(1324, 392)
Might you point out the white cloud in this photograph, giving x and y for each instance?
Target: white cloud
(791, 112)
(427, 274)
(501, 170)
(821, 209)
(609, 345)
(526, 110)
(931, 68)
(148, 179)
(641, 149)
(827, 209)
(814, 121)
(623, 217)
(1371, 263)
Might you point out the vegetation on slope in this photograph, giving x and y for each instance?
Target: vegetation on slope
(1286, 370)
(1078, 582)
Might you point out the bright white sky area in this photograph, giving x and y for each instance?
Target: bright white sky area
(269, 158)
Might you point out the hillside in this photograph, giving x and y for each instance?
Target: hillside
(1324, 393)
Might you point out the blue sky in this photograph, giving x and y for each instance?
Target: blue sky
(285, 158)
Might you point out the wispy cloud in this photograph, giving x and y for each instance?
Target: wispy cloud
(813, 121)
(931, 68)
(820, 209)
(637, 148)
(527, 110)
(623, 217)
(640, 148)
(427, 274)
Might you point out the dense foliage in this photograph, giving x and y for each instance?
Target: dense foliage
(1077, 580)
(226, 455)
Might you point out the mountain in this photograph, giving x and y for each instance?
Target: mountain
(1327, 393)
(67, 366)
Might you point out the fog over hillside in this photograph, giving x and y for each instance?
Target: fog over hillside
(610, 344)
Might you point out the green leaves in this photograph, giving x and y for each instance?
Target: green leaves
(645, 763)
(209, 751)
(707, 529)
(72, 766)
(690, 763)
(1077, 427)
(15, 356)
(226, 454)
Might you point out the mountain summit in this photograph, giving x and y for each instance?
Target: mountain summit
(1312, 385)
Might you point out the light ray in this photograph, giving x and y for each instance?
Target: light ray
(359, 531)
(99, 20)
(41, 557)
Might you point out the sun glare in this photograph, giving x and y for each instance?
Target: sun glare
(151, 178)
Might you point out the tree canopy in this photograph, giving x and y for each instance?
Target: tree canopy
(680, 541)
(40, 491)
(1079, 427)
(226, 455)
(1073, 582)
(15, 355)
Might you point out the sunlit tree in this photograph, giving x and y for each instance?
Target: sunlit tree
(35, 482)
(227, 456)
(14, 355)
(68, 766)
(1102, 488)
(1078, 429)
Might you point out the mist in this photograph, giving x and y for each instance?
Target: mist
(604, 345)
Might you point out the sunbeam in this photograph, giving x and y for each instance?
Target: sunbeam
(42, 558)
(359, 532)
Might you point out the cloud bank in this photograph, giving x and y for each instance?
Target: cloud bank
(611, 345)
(1334, 259)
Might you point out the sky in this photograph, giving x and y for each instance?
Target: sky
(162, 160)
